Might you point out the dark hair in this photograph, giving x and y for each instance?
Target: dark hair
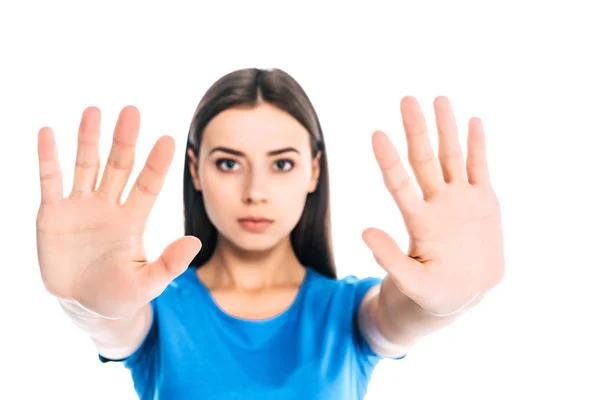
(311, 237)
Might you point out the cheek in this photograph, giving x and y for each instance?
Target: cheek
(220, 196)
(290, 199)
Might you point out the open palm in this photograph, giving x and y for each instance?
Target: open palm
(456, 250)
(90, 245)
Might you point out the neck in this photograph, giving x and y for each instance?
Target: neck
(234, 268)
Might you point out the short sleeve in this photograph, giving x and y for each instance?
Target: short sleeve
(361, 287)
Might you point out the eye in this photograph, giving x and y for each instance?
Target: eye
(281, 164)
(226, 164)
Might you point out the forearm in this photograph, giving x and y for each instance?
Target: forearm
(113, 338)
(404, 322)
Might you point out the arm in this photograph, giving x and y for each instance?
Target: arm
(456, 244)
(114, 338)
(392, 323)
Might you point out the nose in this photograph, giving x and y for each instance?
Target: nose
(255, 190)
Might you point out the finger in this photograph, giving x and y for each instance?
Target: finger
(420, 153)
(477, 165)
(174, 260)
(122, 153)
(87, 163)
(449, 152)
(395, 177)
(407, 272)
(50, 174)
(150, 180)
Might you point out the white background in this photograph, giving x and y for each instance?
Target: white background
(528, 69)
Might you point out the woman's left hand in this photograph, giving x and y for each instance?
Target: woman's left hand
(456, 250)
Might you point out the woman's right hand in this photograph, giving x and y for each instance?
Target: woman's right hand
(90, 245)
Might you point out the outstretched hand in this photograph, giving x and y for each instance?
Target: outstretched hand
(90, 244)
(456, 250)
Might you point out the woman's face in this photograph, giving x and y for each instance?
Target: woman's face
(255, 164)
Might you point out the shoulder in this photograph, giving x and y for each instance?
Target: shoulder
(341, 297)
(341, 300)
(350, 286)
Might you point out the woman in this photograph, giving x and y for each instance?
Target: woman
(248, 304)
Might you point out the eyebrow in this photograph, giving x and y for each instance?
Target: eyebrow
(240, 154)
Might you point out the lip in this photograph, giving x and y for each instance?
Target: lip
(255, 224)
(255, 219)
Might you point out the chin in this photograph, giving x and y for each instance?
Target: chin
(256, 249)
(254, 242)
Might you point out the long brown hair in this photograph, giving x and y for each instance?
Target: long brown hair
(311, 237)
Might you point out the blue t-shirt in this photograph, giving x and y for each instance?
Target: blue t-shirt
(313, 350)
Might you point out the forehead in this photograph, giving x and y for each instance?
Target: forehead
(261, 128)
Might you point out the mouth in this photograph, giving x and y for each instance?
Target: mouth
(255, 224)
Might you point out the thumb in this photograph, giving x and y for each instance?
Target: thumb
(406, 272)
(174, 260)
